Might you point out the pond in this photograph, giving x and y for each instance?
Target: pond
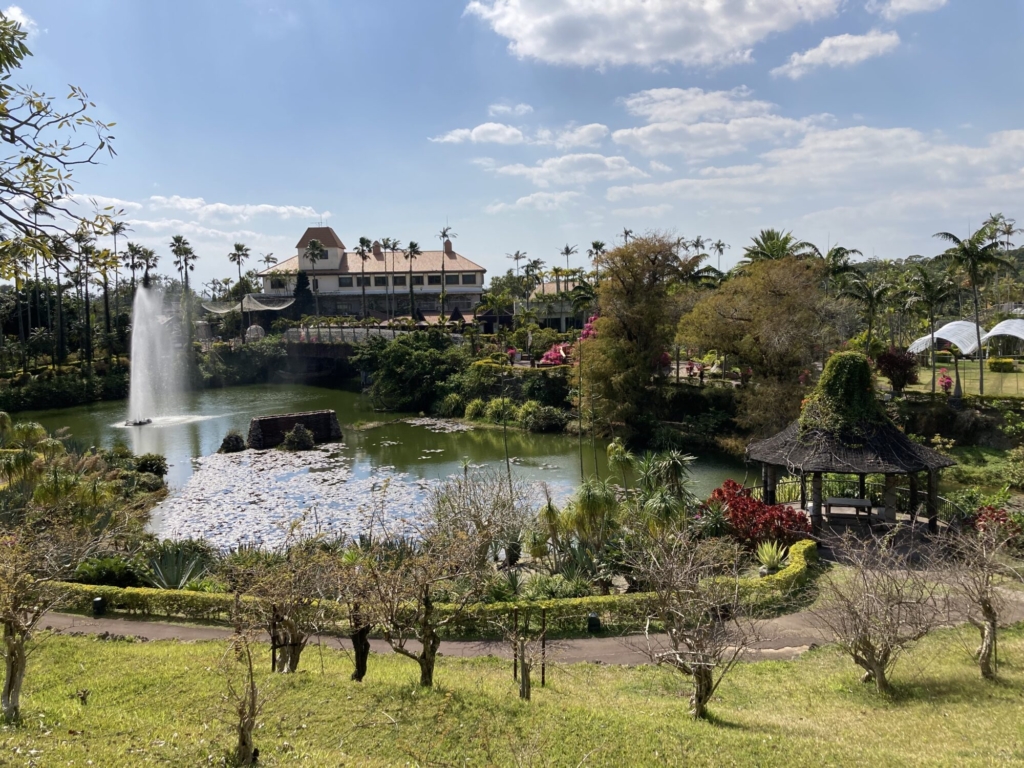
(242, 497)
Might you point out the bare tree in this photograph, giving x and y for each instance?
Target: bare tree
(294, 591)
(697, 600)
(978, 562)
(526, 644)
(244, 698)
(884, 598)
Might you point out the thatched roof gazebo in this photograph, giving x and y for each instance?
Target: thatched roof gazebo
(844, 430)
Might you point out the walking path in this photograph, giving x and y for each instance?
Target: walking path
(786, 638)
(783, 638)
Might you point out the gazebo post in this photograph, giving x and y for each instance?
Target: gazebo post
(862, 487)
(913, 497)
(889, 499)
(764, 482)
(933, 501)
(773, 479)
(803, 490)
(816, 501)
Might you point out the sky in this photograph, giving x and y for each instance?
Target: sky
(532, 124)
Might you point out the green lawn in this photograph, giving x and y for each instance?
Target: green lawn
(158, 704)
(996, 384)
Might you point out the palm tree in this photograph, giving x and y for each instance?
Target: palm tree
(364, 251)
(837, 263)
(238, 256)
(596, 250)
(132, 260)
(568, 251)
(445, 236)
(394, 245)
(718, 248)
(975, 256)
(871, 292)
(184, 260)
(621, 458)
(774, 245)
(269, 260)
(626, 235)
(929, 293)
(83, 239)
(148, 260)
(412, 250)
(516, 257)
(315, 252)
(117, 228)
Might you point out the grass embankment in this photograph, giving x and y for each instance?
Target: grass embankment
(159, 704)
(977, 466)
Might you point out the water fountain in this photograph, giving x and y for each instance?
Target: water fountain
(157, 378)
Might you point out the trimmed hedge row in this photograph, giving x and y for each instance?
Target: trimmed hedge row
(620, 613)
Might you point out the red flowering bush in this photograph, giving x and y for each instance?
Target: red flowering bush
(589, 331)
(752, 521)
(992, 519)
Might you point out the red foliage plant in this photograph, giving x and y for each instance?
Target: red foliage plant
(993, 519)
(752, 521)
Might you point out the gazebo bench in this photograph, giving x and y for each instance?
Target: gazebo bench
(856, 504)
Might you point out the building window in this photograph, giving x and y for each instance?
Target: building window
(380, 280)
(451, 279)
(398, 280)
(433, 279)
(344, 282)
(417, 279)
(469, 279)
(278, 282)
(362, 281)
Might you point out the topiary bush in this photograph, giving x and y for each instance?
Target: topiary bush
(475, 409)
(1002, 365)
(233, 442)
(299, 439)
(843, 402)
(151, 463)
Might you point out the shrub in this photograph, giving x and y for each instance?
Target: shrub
(899, 367)
(151, 463)
(502, 410)
(451, 405)
(1001, 365)
(233, 442)
(999, 521)
(752, 521)
(146, 481)
(712, 519)
(548, 386)
(541, 418)
(475, 409)
(112, 571)
(299, 439)
(771, 554)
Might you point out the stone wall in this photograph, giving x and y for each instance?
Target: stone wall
(269, 431)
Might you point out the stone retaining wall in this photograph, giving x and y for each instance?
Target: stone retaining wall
(269, 431)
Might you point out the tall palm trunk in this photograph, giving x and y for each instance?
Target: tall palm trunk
(977, 330)
(106, 312)
(412, 299)
(241, 304)
(362, 282)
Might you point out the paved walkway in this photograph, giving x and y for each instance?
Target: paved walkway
(782, 638)
(785, 638)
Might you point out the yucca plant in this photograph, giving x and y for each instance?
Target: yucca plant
(771, 555)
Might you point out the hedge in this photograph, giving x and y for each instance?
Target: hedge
(619, 613)
(1002, 365)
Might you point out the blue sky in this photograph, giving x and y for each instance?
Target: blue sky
(529, 124)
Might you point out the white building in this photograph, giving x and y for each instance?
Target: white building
(340, 279)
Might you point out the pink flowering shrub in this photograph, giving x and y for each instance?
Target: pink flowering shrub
(589, 331)
(557, 355)
(945, 383)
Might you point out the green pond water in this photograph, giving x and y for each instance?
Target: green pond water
(210, 414)
(396, 446)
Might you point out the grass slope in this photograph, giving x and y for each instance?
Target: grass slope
(159, 704)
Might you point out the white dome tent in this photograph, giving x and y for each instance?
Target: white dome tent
(1006, 328)
(963, 334)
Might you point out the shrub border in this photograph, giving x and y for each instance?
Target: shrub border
(619, 612)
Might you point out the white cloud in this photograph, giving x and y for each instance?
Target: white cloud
(644, 212)
(702, 124)
(590, 135)
(643, 32)
(201, 209)
(575, 169)
(892, 174)
(102, 202)
(28, 24)
(660, 167)
(487, 133)
(893, 9)
(505, 109)
(839, 51)
(538, 201)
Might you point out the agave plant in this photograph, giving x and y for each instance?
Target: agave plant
(771, 555)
